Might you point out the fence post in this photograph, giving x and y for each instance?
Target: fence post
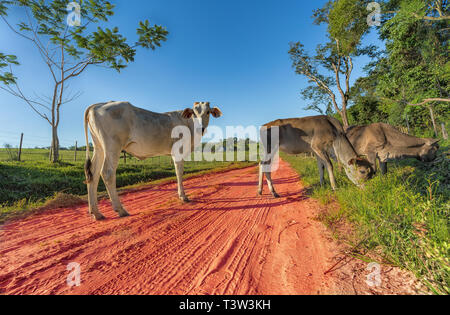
(407, 124)
(20, 148)
(444, 131)
(76, 149)
(125, 157)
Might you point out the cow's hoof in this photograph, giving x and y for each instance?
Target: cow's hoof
(185, 199)
(276, 196)
(259, 193)
(124, 214)
(98, 217)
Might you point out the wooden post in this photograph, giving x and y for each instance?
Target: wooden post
(433, 119)
(76, 149)
(125, 157)
(407, 124)
(444, 132)
(20, 148)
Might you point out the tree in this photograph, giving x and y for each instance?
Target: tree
(427, 10)
(347, 24)
(415, 75)
(6, 61)
(68, 51)
(365, 107)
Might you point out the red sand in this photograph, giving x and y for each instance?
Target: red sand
(227, 241)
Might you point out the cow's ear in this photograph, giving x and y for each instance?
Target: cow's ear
(352, 162)
(435, 141)
(216, 112)
(188, 113)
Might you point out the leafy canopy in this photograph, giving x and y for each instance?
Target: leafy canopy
(415, 66)
(84, 43)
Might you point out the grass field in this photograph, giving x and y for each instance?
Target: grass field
(402, 217)
(68, 156)
(30, 184)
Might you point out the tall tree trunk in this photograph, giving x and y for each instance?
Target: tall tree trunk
(433, 119)
(345, 120)
(407, 124)
(344, 115)
(444, 132)
(55, 145)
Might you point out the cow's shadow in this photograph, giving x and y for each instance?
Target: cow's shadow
(206, 203)
(281, 181)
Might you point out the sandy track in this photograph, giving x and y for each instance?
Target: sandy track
(227, 241)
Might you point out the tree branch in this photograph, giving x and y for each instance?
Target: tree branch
(429, 100)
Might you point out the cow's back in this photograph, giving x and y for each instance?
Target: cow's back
(396, 138)
(367, 138)
(310, 125)
(379, 136)
(298, 134)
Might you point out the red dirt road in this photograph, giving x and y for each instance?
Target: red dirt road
(227, 241)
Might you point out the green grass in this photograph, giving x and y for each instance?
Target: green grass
(30, 184)
(403, 217)
(42, 155)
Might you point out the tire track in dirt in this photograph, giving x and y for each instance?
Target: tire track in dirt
(226, 241)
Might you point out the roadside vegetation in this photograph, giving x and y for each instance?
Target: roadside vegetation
(402, 218)
(31, 184)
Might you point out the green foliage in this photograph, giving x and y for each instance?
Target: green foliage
(347, 22)
(366, 111)
(304, 64)
(414, 66)
(366, 107)
(6, 77)
(405, 213)
(38, 180)
(68, 46)
(101, 46)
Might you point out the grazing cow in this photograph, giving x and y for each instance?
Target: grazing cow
(384, 142)
(321, 135)
(119, 126)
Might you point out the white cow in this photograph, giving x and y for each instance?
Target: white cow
(119, 126)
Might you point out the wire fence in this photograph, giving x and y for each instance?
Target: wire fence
(34, 148)
(73, 157)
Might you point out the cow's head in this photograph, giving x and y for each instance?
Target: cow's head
(429, 150)
(359, 170)
(201, 112)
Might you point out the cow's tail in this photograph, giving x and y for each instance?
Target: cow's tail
(88, 164)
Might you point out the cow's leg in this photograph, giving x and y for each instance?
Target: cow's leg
(372, 158)
(384, 167)
(321, 166)
(271, 186)
(261, 180)
(179, 170)
(326, 160)
(96, 167)
(109, 178)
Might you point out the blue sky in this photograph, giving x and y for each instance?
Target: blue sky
(232, 53)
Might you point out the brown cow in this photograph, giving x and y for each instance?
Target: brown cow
(322, 135)
(385, 143)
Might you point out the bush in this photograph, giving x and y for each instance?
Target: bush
(405, 214)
